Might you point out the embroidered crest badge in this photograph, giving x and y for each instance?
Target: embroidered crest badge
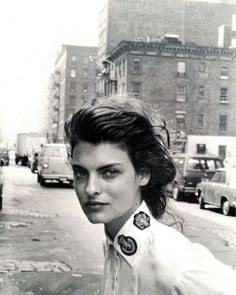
(127, 244)
(141, 220)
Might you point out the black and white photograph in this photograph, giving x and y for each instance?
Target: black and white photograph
(118, 147)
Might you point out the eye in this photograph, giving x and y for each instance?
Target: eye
(110, 173)
(80, 173)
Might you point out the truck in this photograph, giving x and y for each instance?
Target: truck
(26, 143)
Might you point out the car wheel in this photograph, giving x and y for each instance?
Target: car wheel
(39, 178)
(177, 195)
(1, 198)
(1, 201)
(42, 182)
(226, 209)
(201, 202)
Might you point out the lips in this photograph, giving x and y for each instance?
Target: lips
(94, 205)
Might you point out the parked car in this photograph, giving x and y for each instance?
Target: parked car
(230, 162)
(219, 191)
(33, 162)
(1, 183)
(190, 169)
(4, 154)
(53, 164)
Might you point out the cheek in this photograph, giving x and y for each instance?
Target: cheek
(123, 189)
(80, 190)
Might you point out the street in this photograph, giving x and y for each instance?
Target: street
(47, 246)
(44, 229)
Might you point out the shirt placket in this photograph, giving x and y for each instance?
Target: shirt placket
(116, 273)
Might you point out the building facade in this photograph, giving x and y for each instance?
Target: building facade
(149, 20)
(73, 84)
(192, 86)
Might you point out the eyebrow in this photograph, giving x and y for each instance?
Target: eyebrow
(107, 166)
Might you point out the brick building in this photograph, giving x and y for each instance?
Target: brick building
(138, 20)
(72, 84)
(192, 86)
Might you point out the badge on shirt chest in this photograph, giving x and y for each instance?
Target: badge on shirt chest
(127, 244)
(141, 220)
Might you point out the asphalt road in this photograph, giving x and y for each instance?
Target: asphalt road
(47, 246)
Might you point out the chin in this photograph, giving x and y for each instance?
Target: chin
(95, 218)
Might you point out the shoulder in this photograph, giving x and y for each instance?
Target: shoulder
(164, 238)
(180, 264)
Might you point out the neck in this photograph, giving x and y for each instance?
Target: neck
(113, 227)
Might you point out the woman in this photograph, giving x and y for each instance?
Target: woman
(121, 168)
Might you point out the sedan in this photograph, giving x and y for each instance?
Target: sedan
(1, 182)
(220, 191)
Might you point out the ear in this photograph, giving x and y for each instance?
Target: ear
(144, 176)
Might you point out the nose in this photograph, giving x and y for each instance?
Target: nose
(93, 186)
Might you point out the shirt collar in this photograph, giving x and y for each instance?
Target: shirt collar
(132, 238)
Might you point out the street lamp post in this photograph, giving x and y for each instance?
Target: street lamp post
(105, 60)
(102, 75)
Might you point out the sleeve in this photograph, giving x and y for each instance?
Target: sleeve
(202, 273)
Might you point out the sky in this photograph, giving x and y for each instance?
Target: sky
(31, 34)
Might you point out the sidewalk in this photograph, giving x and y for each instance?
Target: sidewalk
(21, 272)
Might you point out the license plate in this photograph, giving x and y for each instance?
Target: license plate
(63, 179)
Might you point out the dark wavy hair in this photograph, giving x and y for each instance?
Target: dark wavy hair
(128, 123)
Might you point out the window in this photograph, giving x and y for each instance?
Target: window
(85, 88)
(137, 65)
(74, 60)
(72, 99)
(123, 87)
(201, 148)
(123, 67)
(200, 120)
(72, 73)
(216, 177)
(223, 95)
(85, 73)
(119, 68)
(224, 72)
(113, 87)
(73, 86)
(202, 67)
(180, 121)
(223, 123)
(181, 68)
(219, 176)
(222, 177)
(201, 90)
(222, 151)
(84, 99)
(181, 93)
(136, 89)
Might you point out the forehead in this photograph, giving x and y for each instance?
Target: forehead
(86, 153)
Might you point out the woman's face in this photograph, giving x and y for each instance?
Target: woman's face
(106, 183)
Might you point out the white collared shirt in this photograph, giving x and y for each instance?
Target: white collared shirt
(150, 258)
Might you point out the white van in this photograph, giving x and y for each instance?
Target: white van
(53, 164)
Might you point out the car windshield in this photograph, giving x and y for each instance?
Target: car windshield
(232, 177)
(200, 164)
(179, 163)
(3, 152)
(55, 152)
